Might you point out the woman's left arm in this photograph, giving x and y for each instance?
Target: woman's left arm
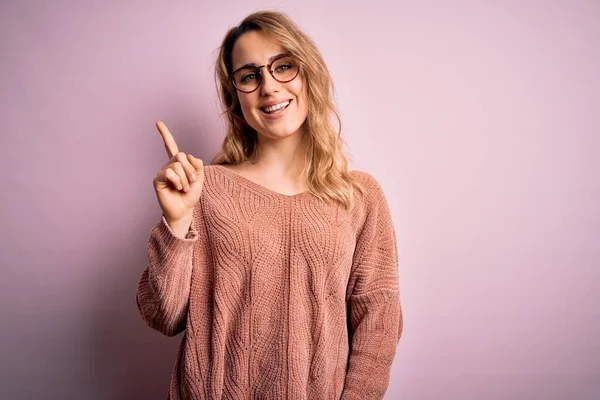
(374, 302)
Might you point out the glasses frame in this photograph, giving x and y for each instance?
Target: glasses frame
(260, 75)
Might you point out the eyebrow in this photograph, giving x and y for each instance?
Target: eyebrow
(270, 60)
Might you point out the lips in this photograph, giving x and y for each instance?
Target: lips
(263, 109)
(271, 104)
(275, 116)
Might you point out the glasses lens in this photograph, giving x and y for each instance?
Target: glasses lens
(246, 79)
(285, 69)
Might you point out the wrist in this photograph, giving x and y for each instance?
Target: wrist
(179, 221)
(181, 226)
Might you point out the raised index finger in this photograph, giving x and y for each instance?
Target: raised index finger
(168, 139)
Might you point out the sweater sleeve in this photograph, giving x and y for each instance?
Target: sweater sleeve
(163, 290)
(375, 315)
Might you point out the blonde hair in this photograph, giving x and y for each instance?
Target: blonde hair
(326, 164)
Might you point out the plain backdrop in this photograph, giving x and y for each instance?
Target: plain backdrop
(480, 119)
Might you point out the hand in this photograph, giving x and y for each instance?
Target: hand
(179, 183)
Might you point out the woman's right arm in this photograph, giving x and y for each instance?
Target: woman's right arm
(164, 287)
(163, 290)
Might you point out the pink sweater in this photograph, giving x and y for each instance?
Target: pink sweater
(280, 297)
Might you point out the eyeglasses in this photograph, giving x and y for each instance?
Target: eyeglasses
(248, 78)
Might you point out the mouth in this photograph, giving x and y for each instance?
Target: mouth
(276, 109)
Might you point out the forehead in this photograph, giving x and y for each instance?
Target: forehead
(253, 47)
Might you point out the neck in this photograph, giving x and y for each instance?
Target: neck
(282, 157)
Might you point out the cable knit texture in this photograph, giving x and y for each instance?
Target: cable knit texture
(279, 296)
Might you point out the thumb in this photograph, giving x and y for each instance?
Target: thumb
(197, 163)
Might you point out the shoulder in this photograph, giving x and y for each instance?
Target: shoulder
(214, 188)
(210, 168)
(217, 177)
(212, 178)
(372, 192)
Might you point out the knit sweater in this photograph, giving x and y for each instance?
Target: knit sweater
(280, 296)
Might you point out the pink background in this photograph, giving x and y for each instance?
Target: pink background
(480, 119)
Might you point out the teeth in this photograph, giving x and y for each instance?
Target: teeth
(276, 106)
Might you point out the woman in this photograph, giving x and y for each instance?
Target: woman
(278, 263)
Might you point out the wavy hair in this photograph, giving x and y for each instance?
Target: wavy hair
(326, 166)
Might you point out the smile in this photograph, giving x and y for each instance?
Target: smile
(277, 108)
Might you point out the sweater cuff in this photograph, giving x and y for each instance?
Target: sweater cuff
(168, 249)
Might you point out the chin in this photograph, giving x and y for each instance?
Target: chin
(278, 130)
(278, 133)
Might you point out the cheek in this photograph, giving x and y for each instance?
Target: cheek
(302, 101)
(246, 105)
(298, 89)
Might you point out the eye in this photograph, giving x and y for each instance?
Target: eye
(284, 67)
(248, 77)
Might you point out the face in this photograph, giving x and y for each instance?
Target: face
(255, 48)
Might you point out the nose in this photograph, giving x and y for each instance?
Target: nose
(269, 84)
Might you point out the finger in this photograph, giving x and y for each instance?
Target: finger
(177, 167)
(189, 169)
(197, 163)
(171, 176)
(168, 139)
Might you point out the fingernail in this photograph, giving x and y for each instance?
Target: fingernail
(194, 177)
